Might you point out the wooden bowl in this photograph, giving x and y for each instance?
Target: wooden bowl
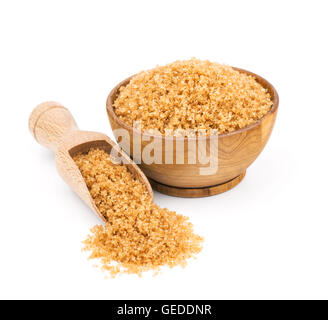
(236, 151)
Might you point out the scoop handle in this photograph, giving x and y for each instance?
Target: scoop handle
(50, 122)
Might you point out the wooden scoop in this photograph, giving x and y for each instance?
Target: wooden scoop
(53, 126)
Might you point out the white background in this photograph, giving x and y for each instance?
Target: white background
(267, 238)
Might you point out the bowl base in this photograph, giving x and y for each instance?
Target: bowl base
(196, 192)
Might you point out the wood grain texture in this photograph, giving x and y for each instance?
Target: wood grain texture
(53, 126)
(196, 192)
(236, 150)
(50, 122)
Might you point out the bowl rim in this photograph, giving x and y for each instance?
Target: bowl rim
(111, 113)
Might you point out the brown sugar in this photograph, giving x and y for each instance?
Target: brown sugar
(138, 235)
(192, 95)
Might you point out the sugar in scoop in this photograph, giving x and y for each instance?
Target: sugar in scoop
(138, 235)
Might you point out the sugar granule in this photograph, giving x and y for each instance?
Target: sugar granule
(138, 235)
(192, 94)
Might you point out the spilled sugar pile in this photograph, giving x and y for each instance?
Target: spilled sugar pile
(138, 235)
